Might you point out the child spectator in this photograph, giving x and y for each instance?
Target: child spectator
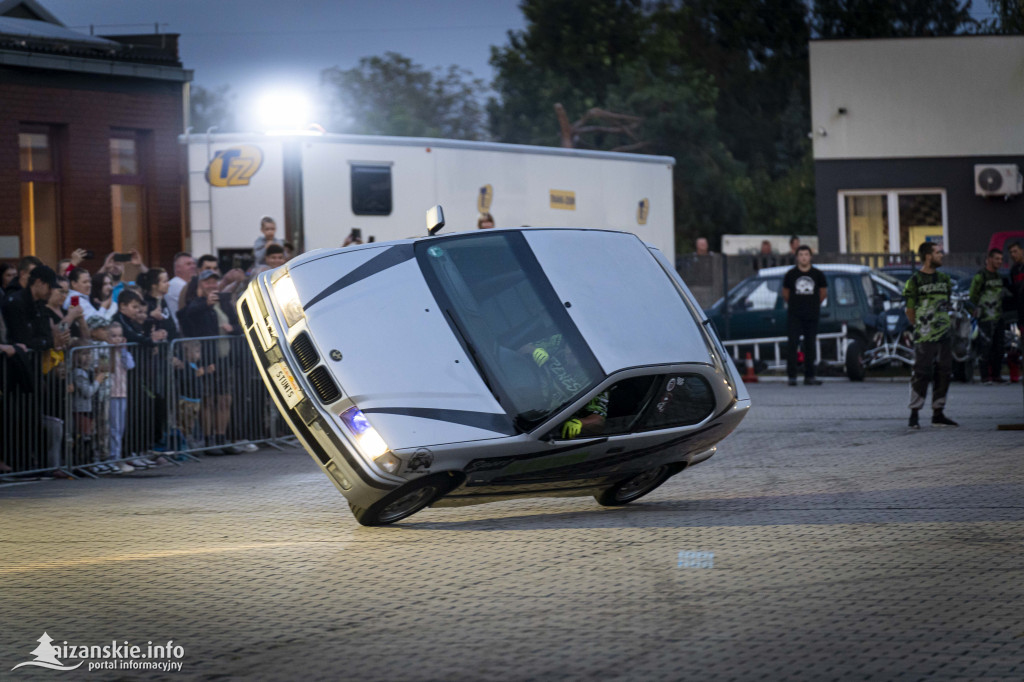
(189, 377)
(268, 229)
(85, 388)
(99, 328)
(122, 362)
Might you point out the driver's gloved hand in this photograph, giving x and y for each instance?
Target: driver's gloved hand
(571, 428)
(540, 356)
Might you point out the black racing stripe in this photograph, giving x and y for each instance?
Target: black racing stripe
(489, 421)
(391, 257)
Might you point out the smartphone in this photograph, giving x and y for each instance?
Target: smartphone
(372, 239)
(122, 257)
(74, 300)
(357, 233)
(89, 255)
(63, 326)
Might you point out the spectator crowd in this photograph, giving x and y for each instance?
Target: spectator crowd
(88, 367)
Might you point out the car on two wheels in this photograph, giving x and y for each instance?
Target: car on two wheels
(493, 365)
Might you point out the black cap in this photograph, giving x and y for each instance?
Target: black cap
(43, 273)
(207, 274)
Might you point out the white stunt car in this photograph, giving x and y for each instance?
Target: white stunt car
(484, 366)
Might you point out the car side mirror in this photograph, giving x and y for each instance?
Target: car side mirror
(435, 220)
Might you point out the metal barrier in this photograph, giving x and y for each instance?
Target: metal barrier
(776, 342)
(32, 415)
(103, 409)
(217, 399)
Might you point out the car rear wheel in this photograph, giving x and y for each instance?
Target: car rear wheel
(404, 501)
(855, 360)
(634, 488)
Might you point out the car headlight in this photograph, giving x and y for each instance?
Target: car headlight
(371, 445)
(288, 298)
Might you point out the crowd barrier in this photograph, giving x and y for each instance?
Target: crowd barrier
(105, 409)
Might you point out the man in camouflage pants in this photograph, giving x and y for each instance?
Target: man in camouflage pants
(986, 293)
(927, 294)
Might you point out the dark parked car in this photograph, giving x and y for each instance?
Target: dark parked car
(856, 294)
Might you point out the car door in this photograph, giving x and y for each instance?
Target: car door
(846, 304)
(646, 414)
(757, 310)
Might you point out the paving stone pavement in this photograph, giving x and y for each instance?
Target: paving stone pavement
(823, 542)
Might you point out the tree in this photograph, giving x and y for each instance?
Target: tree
(391, 95)
(570, 53)
(1008, 17)
(892, 18)
(210, 108)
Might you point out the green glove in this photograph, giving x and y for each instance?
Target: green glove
(571, 428)
(540, 356)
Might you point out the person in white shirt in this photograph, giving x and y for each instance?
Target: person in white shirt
(79, 290)
(184, 271)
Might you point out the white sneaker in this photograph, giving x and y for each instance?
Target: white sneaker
(140, 463)
(123, 468)
(250, 447)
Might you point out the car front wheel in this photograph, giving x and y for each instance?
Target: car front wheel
(634, 488)
(405, 501)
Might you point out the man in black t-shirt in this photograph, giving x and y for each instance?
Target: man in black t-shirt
(803, 289)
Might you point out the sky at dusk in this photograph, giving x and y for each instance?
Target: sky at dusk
(259, 45)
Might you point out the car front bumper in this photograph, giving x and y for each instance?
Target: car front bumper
(268, 338)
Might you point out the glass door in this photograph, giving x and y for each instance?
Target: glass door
(867, 223)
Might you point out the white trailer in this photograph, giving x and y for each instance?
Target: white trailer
(318, 187)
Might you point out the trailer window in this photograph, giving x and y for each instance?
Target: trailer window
(371, 190)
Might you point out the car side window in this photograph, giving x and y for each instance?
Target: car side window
(761, 293)
(679, 400)
(845, 294)
(626, 399)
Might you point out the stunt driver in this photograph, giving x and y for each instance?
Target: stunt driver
(927, 294)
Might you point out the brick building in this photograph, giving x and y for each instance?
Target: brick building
(89, 156)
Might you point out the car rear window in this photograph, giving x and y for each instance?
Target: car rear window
(499, 300)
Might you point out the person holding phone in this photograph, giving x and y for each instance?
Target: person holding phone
(354, 237)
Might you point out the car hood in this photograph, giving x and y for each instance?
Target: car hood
(400, 360)
(646, 323)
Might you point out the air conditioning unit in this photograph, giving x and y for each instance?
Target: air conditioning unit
(991, 180)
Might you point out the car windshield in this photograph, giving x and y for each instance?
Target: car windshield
(514, 327)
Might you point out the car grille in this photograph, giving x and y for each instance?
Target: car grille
(304, 351)
(246, 315)
(324, 385)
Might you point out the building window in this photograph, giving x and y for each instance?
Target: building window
(127, 192)
(371, 190)
(891, 221)
(40, 191)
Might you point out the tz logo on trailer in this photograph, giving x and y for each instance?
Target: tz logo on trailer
(234, 166)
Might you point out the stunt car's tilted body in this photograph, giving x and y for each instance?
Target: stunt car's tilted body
(491, 365)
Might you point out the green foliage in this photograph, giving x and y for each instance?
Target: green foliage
(1007, 17)
(570, 53)
(391, 95)
(212, 107)
(722, 86)
(892, 18)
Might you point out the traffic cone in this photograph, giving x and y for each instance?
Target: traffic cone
(749, 377)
